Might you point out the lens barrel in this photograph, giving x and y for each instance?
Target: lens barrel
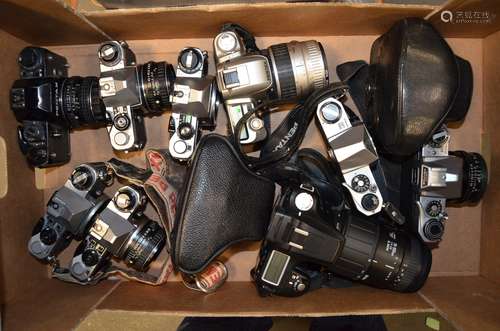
(383, 257)
(475, 177)
(145, 244)
(298, 68)
(80, 101)
(157, 80)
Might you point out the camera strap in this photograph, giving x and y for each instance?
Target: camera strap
(287, 137)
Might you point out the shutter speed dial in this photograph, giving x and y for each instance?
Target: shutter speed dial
(360, 183)
(331, 112)
(434, 208)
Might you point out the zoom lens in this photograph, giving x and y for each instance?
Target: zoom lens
(80, 101)
(145, 244)
(298, 68)
(383, 257)
(157, 79)
(475, 177)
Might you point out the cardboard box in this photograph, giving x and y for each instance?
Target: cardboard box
(464, 286)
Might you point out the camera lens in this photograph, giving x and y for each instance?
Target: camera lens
(157, 79)
(145, 244)
(383, 257)
(80, 101)
(299, 68)
(475, 176)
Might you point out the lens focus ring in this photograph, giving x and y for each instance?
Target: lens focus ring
(157, 80)
(475, 172)
(80, 101)
(284, 72)
(145, 246)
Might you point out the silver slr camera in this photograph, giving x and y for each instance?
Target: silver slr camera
(248, 77)
(122, 231)
(131, 91)
(351, 146)
(194, 101)
(437, 177)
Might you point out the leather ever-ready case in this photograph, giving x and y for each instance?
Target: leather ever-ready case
(222, 203)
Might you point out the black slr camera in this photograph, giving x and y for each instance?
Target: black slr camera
(195, 102)
(248, 77)
(313, 238)
(70, 211)
(130, 91)
(48, 105)
(120, 230)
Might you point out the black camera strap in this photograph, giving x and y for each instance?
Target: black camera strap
(287, 137)
(248, 38)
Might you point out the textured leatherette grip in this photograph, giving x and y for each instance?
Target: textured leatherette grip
(223, 203)
(417, 82)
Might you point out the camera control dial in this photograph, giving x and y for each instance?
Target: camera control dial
(331, 112)
(124, 201)
(360, 183)
(190, 60)
(370, 201)
(81, 178)
(48, 236)
(304, 201)
(90, 257)
(434, 208)
(227, 42)
(186, 131)
(433, 229)
(180, 147)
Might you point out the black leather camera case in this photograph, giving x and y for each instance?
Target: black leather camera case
(414, 83)
(222, 203)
